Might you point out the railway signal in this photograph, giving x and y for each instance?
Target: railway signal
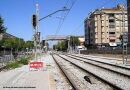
(34, 20)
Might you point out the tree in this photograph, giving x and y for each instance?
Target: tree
(9, 43)
(14, 43)
(74, 41)
(2, 28)
(20, 43)
(62, 46)
(29, 44)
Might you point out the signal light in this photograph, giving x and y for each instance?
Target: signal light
(34, 20)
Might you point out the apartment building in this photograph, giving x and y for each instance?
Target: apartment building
(81, 40)
(104, 26)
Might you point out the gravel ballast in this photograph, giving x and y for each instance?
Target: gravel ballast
(116, 79)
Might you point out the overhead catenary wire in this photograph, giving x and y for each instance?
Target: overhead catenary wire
(77, 29)
(64, 15)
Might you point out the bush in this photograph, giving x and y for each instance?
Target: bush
(12, 65)
(18, 63)
(23, 61)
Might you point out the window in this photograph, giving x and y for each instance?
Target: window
(111, 20)
(112, 40)
(103, 33)
(96, 32)
(91, 34)
(111, 15)
(117, 32)
(111, 32)
(111, 26)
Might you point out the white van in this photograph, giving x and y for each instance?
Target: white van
(81, 48)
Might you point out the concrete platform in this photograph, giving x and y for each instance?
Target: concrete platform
(24, 79)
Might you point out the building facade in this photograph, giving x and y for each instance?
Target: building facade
(81, 40)
(104, 26)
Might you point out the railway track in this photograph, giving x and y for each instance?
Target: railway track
(107, 66)
(65, 74)
(93, 75)
(106, 63)
(104, 57)
(119, 78)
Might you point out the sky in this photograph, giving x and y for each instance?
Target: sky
(17, 15)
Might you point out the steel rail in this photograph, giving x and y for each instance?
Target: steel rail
(115, 87)
(117, 72)
(74, 86)
(102, 62)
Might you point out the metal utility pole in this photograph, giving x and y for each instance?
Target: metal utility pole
(35, 22)
(128, 9)
(36, 30)
(124, 43)
(68, 39)
(36, 27)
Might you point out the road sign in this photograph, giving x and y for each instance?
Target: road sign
(36, 65)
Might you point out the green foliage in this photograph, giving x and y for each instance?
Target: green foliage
(2, 28)
(62, 45)
(74, 41)
(11, 42)
(1, 43)
(29, 44)
(18, 63)
(8, 42)
(12, 65)
(16, 43)
(23, 61)
(20, 44)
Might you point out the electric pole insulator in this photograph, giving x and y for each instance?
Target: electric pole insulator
(34, 21)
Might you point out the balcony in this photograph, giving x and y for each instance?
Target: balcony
(111, 17)
(112, 40)
(111, 23)
(111, 36)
